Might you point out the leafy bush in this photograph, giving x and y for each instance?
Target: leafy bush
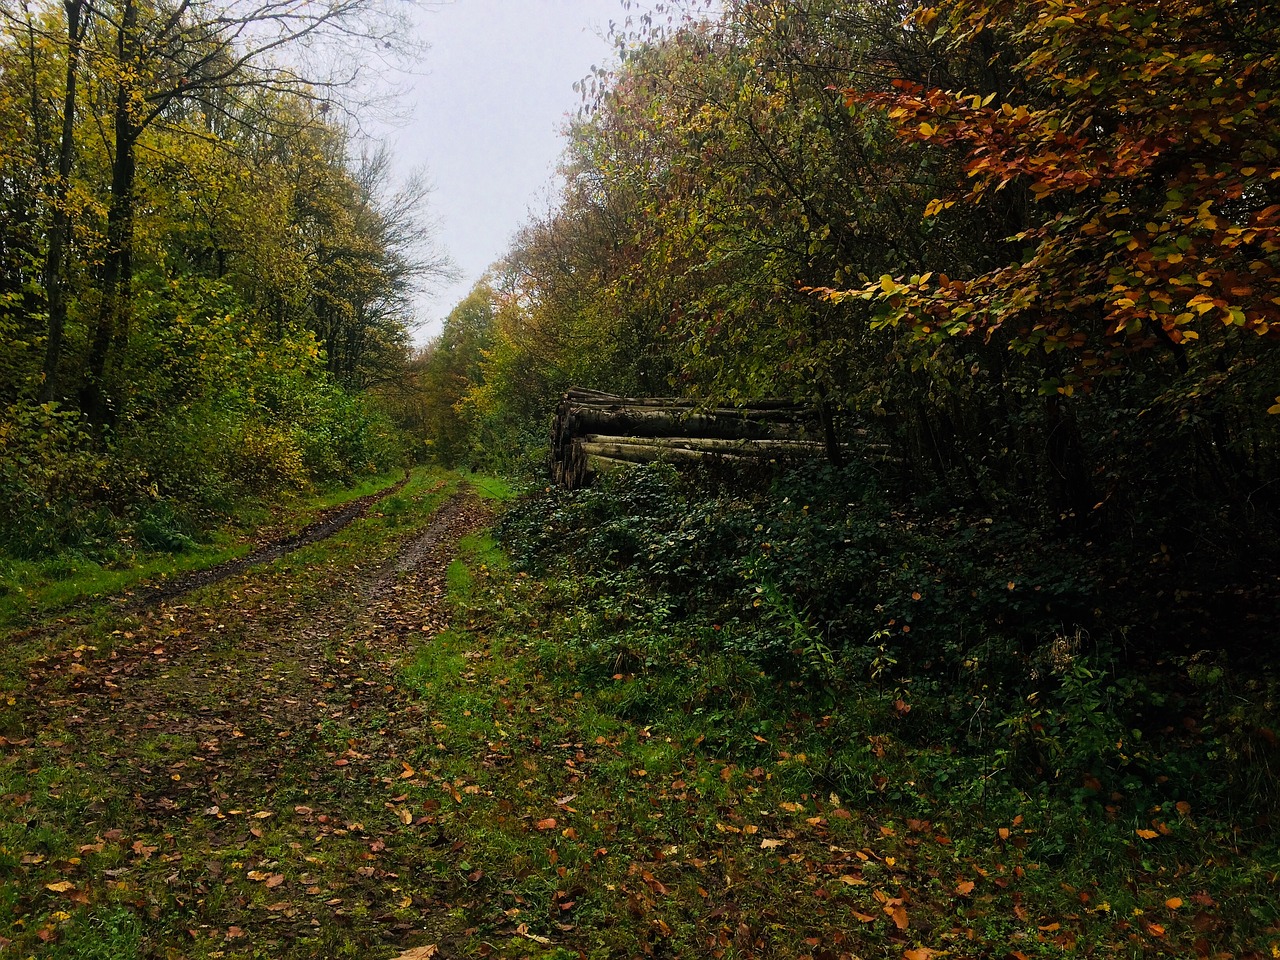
(57, 485)
(969, 630)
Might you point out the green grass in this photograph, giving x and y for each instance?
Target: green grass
(714, 814)
(31, 588)
(308, 761)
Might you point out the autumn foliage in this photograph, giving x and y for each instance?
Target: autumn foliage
(1145, 138)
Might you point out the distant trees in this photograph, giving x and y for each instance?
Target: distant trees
(192, 251)
(1032, 246)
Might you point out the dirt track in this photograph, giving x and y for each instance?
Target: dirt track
(329, 523)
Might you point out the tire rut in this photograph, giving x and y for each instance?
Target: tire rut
(321, 529)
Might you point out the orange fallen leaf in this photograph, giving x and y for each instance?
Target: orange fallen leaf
(1173, 903)
(919, 953)
(547, 824)
(1147, 834)
(862, 917)
(965, 887)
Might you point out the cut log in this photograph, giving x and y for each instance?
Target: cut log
(594, 443)
(596, 431)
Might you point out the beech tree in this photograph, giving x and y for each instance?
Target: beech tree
(1144, 266)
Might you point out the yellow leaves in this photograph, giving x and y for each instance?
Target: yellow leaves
(1147, 834)
(1275, 407)
(936, 206)
(927, 129)
(61, 886)
(1201, 304)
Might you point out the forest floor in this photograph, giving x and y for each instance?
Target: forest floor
(340, 752)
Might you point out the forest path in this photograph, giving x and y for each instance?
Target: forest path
(323, 527)
(206, 773)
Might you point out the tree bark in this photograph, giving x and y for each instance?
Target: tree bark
(598, 428)
(117, 273)
(57, 254)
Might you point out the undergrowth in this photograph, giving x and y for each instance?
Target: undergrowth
(957, 659)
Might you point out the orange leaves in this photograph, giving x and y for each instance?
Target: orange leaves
(895, 907)
(544, 825)
(269, 880)
(1132, 110)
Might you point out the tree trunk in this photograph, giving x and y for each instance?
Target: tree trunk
(56, 257)
(117, 272)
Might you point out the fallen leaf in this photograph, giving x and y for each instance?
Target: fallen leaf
(62, 886)
(1173, 903)
(1147, 834)
(420, 953)
(547, 824)
(771, 844)
(965, 887)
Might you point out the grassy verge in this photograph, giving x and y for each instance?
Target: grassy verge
(34, 587)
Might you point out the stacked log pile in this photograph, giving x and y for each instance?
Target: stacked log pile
(596, 432)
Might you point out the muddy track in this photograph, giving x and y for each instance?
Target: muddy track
(326, 526)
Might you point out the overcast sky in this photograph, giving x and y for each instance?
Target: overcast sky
(486, 114)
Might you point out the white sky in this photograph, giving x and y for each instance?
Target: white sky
(495, 90)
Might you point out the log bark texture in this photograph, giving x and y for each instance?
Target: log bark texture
(596, 431)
